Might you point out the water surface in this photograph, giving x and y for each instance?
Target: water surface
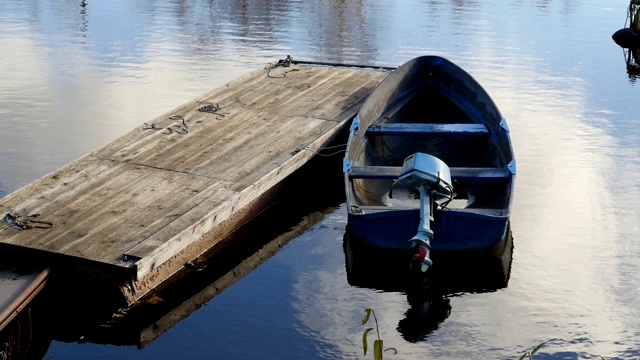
(76, 77)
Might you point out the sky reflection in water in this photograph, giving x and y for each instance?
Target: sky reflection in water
(74, 79)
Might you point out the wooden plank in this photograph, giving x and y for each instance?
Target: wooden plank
(328, 99)
(457, 173)
(283, 94)
(429, 129)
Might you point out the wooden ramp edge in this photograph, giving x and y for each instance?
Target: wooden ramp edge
(191, 175)
(17, 291)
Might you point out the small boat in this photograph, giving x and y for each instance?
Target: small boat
(429, 164)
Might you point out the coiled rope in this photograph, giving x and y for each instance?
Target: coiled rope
(27, 222)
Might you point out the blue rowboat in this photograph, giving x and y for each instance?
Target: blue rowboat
(429, 164)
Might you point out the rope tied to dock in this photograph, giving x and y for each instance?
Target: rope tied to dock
(213, 108)
(318, 149)
(282, 63)
(183, 128)
(178, 129)
(27, 222)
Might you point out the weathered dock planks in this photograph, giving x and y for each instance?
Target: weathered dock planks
(191, 175)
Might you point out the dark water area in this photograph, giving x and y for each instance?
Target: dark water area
(77, 75)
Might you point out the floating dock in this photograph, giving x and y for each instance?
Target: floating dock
(142, 206)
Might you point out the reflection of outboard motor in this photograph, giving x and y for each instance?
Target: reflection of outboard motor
(432, 178)
(423, 318)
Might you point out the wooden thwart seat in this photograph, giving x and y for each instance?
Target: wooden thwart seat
(457, 173)
(428, 129)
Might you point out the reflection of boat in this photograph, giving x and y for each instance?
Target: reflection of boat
(428, 293)
(452, 272)
(629, 37)
(430, 129)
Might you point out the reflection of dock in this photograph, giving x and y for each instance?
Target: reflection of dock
(193, 288)
(138, 209)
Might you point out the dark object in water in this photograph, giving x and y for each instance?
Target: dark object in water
(627, 38)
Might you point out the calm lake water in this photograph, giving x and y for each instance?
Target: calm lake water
(76, 77)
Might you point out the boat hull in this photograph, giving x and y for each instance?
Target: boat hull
(391, 230)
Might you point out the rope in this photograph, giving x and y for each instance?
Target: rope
(333, 153)
(282, 63)
(629, 14)
(182, 130)
(213, 108)
(27, 222)
(151, 127)
(178, 129)
(309, 148)
(283, 74)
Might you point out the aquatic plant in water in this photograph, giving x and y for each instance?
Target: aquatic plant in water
(378, 346)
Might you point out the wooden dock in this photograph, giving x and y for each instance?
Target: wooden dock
(139, 208)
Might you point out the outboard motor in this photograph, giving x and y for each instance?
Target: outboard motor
(432, 178)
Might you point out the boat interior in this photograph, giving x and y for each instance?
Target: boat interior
(431, 119)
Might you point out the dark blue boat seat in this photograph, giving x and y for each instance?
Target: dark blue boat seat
(457, 173)
(428, 129)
